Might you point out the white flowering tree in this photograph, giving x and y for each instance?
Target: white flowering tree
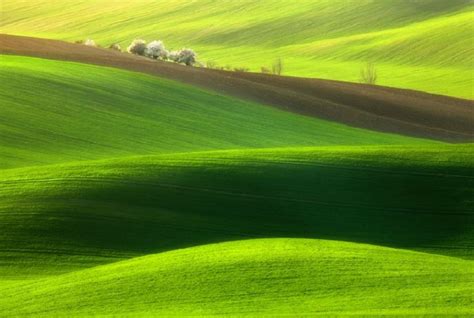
(173, 56)
(89, 42)
(156, 50)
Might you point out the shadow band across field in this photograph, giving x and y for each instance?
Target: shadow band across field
(377, 108)
(406, 197)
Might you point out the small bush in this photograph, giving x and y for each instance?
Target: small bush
(241, 69)
(137, 47)
(187, 57)
(265, 70)
(79, 41)
(368, 74)
(90, 42)
(173, 56)
(115, 47)
(211, 65)
(156, 50)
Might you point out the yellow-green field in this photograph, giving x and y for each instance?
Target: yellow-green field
(266, 277)
(423, 45)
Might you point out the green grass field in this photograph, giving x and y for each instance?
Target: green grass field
(156, 203)
(123, 194)
(58, 223)
(256, 278)
(423, 45)
(113, 113)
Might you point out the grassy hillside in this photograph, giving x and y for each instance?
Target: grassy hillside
(57, 112)
(424, 45)
(256, 277)
(128, 194)
(61, 218)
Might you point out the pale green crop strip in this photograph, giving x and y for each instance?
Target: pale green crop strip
(423, 45)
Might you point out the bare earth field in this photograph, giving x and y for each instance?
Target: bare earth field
(378, 108)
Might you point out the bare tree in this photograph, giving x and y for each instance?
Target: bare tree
(368, 74)
(277, 67)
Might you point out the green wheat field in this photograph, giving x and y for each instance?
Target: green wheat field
(124, 194)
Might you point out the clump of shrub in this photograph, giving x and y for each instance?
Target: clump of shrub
(90, 42)
(137, 47)
(187, 57)
(211, 65)
(156, 50)
(276, 69)
(115, 47)
(241, 69)
(214, 66)
(173, 56)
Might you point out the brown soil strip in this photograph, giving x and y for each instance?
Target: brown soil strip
(400, 111)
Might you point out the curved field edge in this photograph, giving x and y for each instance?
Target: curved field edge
(55, 112)
(408, 40)
(371, 107)
(256, 277)
(55, 219)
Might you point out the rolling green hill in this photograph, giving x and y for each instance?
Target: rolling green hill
(128, 194)
(424, 45)
(268, 277)
(57, 112)
(94, 212)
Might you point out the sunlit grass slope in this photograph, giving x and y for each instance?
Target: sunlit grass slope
(291, 277)
(54, 111)
(61, 218)
(425, 45)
